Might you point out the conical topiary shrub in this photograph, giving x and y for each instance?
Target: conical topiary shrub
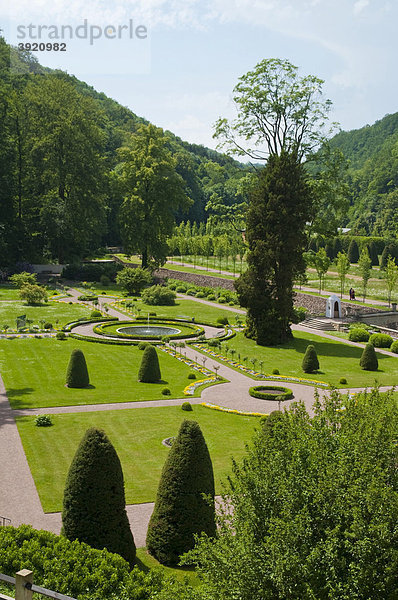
(180, 510)
(353, 252)
(77, 374)
(310, 362)
(94, 508)
(149, 370)
(368, 360)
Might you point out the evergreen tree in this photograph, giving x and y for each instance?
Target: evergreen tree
(280, 206)
(329, 248)
(374, 257)
(368, 360)
(149, 370)
(77, 373)
(338, 246)
(180, 510)
(353, 252)
(94, 509)
(310, 362)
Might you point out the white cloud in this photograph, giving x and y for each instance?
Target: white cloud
(360, 5)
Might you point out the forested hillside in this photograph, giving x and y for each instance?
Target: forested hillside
(372, 176)
(59, 161)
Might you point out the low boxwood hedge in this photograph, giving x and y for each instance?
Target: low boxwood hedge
(264, 392)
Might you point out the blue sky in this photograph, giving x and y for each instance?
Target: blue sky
(181, 76)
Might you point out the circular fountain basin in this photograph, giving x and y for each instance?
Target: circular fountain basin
(149, 330)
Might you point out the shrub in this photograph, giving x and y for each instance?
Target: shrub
(77, 373)
(104, 280)
(231, 303)
(191, 292)
(181, 289)
(186, 406)
(200, 295)
(48, 325)
(181, 511)
(94, 507)
(394, 347)
(368, 360)
(166, 392)
(149, 370)
(43, 421)
(275, 371)
(222, 300)
(381, 340)
(310, 362)
(211, 297)
(343, 381)
(95, 313)
(264, 392)
(159, 295)
(191, 376)
(21, 279)
(133, 280)
(142, 345)
(60, 335)
(33, 294)
(358, 335)
(223, 320)
(299, 314)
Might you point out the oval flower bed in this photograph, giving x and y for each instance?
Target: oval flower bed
(271, 392)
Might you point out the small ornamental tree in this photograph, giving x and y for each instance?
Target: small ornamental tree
(310, 362)
(353, 252)
(94, 507)
(33, 294)
(368, 360)
(21, 279)
(181, 511)
(149, 370)
(77, 373)
(134, 280)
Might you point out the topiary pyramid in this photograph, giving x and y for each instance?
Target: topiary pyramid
(77, 374)
(94, 507)
(310, 362)
(368, 360)
(180, 511)
(353, 252)
(149, 370)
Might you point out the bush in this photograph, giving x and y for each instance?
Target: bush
(104, 280)
(223, 320)
(91, 271)
(43, 421)
(299, 314)
(33, 294)
(181, 511)
(48, 325)
(264, 392)
(358, 335)
(159, 295)
(310, 362)
(133, 280)
(381, 340)
(95, 313)
(200, 295)
(186, 406)
(191, 292)
(394, 347)
(222, 300)
(149, 370)
(368, 360)
(166, 392)
(231, 303)
(343, 381)
(191, 376)
(275, 371)
(181, 289)
(94, 507)
(60, 335)
(211, 297)
(77, 373)
(21, 279)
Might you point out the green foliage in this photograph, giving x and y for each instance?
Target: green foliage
(95, 313)
(315, 508)
(358, 334)
(180, 509)
(310, 362)
(223, 320)
(191, 375)
(159, 295)
(133, 280)
(299, 314)
(394, 347)
(149, 370)
(264, 392)
(391, 274)
(166, 391)
(381, 340)
(24, 278)
(94, 503)
(77, 373)
(275, 371)
(43, 421)
(33, 294)
(60, 335)
(353, 252)
(365, 266)
(186, 406)
(343, 381)
(142, 345)
(368, 360)
(343, 266)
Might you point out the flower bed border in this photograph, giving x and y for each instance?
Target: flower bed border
(243, 413)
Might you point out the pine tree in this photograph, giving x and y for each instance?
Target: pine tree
(368, 360)
(77, 373)
(353, 252)
(180, 510)
(94, 508)
(310, 362)
(149, 370)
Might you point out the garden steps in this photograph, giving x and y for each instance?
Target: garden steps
(319, 323)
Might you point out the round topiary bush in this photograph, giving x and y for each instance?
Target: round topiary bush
(95, 313)
(60, 335)
(222, 300)
(191, 376)
(394, 347)
(310, 362)
(343, 381)
(200, 295)
(77, 373)
(94, 506)
(211, 297)
(191, 292)
(43, 421)
(186, 406)
(275, 371)
(166, 392)
(358, 335)
(181, 510)
(48, 325)
(368, 360)
(222, 320)
(381, 340)
(149, 370)
(271, 392)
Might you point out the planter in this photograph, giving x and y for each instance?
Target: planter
(271, 392)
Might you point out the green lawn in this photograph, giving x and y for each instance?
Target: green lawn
(8, 292)
(34, 374)
(336, 360)
(50, 311)
(145, 562)
(137, 435)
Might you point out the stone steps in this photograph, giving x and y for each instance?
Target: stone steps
(318, 323)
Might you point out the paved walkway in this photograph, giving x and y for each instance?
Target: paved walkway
(19, 499)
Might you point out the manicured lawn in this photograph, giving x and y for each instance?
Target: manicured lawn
(34, 374)
(137, 435)
(336, 360)
(8, 292)
(146, 562)
(50, 311)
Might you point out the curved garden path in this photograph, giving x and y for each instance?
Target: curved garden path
(19, 500)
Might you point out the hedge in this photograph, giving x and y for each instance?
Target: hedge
(381, 340)
(260, 391)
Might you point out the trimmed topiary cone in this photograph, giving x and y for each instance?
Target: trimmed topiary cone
(310, 362)
(77, 374)
(94, 508)
(180, 511)
(149, 370)
(368, 360)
